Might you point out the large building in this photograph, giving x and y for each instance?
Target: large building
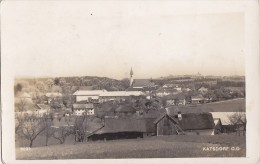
(104, 96)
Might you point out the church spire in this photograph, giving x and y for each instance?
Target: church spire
(131, 72)
(131, 77)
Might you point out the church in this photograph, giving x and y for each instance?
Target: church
(141, 84)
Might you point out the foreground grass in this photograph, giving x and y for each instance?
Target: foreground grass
(154, 147)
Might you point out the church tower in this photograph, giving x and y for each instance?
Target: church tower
(131, 77)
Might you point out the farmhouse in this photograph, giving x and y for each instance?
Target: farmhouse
(120, 128)
(194, 123)
(81, 109)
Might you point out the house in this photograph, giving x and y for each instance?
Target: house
(88, 95)
(162, 92)
(203, 90)
(42, 109)
(82, 109)
(170, 102)
(124, 128)
(178, 89)
(186, 89)
(225, 125)
(169, 85)
(51, 96)
(190, 123)
(199, 99)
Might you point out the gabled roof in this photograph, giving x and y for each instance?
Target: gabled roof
(115, 125)
(53, 94)
(142, 83)
(121, 93)
(202, 88)
(165, 115)
(191, 121)
(83, 106)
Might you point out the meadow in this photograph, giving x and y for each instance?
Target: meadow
(153, 147)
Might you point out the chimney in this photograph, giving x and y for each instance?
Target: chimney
(167, 111)
(179, 115)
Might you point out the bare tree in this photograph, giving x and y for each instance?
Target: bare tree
(19, 119)
(21, 105)
(31, 128)
(62, 133)
(238, 120)
(48, 130)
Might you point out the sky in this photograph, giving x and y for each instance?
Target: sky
(107, 39)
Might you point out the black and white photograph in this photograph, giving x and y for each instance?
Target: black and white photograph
(135, 80)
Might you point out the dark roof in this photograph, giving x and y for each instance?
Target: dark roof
(196, 121)
(142, 83)
(165, 115)
(86, 106)
(191, 121)
(125, 109)
(115, 125)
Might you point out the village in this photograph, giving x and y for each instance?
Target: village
(144, 109)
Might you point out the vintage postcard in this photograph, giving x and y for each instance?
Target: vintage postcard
(130, 81)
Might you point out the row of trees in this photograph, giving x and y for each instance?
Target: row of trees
(31, 127)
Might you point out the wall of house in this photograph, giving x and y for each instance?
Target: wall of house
(84, 98)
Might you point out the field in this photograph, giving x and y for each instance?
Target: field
(153, 147)
(234, 105)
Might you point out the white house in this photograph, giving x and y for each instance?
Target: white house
(81, 109)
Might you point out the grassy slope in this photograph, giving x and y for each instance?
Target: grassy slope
(236, 105)
(154, 147)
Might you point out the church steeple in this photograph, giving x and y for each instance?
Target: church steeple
(131, 77)
(131, 72)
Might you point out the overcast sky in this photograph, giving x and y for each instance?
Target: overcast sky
(107, 39)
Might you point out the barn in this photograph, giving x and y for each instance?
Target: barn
(190, 123)
(124, 128)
